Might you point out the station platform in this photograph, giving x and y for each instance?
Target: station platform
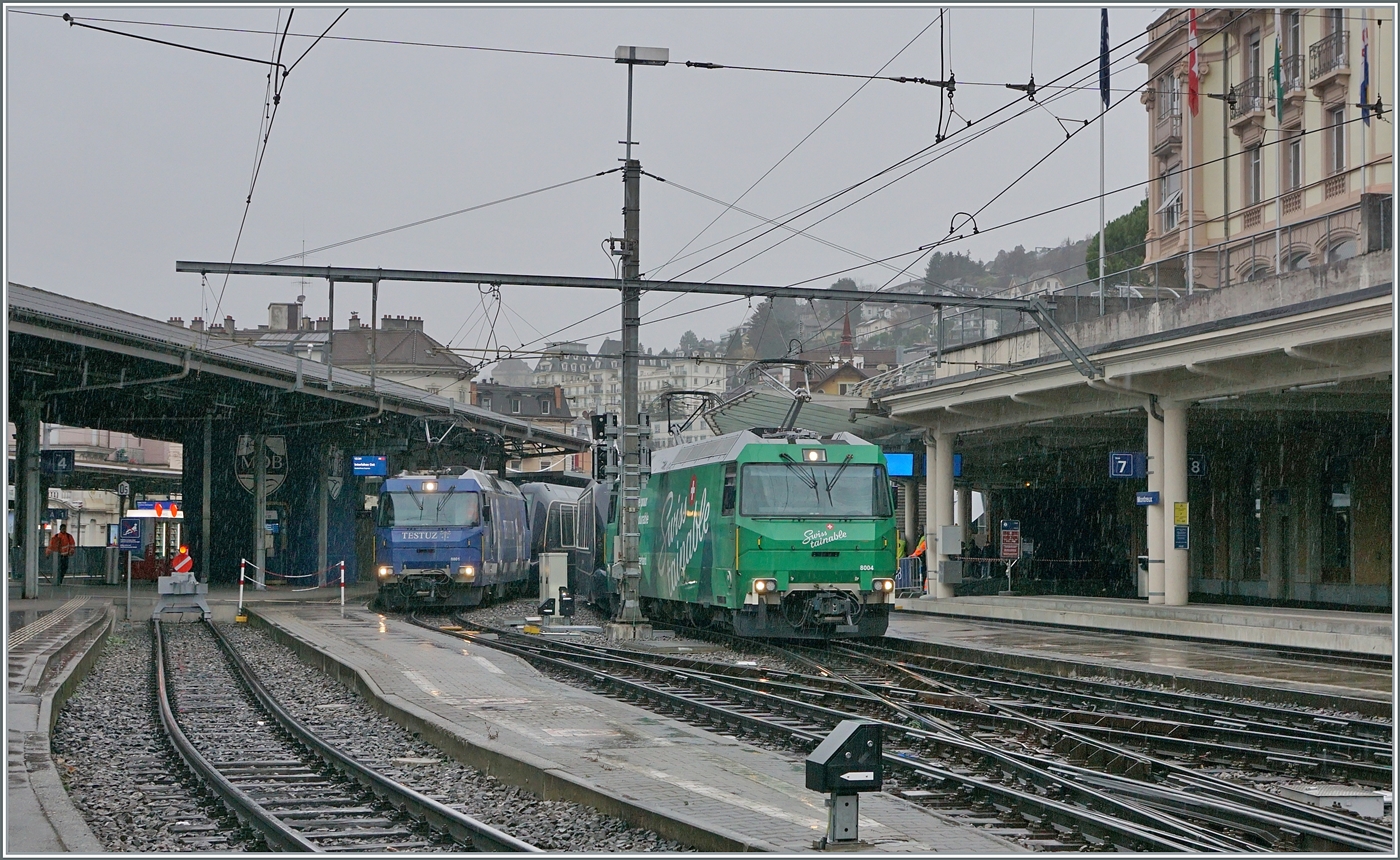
(1359, 633)
(45, 647)
(498, 713)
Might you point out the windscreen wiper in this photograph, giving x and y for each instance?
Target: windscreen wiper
(836, 476)
(809, 477)
(442, 500)
(414, 496)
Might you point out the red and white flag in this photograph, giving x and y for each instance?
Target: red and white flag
(1193, 80)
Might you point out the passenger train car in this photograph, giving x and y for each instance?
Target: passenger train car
(561, 521)
(779, 534)
(450, 541)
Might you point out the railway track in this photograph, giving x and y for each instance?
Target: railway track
(999, 773)
(280, 779)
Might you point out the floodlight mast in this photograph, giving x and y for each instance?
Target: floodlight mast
(629, 610)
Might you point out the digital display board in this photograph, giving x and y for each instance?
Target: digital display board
(900, 465)
(369, 465)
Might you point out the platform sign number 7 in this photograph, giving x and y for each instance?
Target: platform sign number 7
(1122, 464)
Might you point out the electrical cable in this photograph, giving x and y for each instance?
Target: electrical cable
(456, 212)
(804, 139)
(920, 152)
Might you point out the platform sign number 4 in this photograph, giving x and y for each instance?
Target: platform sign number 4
(1196, 465)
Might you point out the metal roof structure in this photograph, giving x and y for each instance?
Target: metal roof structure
(825, 414)
(95, 366)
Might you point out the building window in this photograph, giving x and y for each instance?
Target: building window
(544, 406)
(1168, 97)
(515, 406)
(1336, 136)
(1293, 167)
(1251, 55)
(1170, 207)
(433, 389)
(1253, 176)
(1336, 521)
(485, 401)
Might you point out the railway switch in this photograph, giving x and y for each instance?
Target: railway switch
(848, 762)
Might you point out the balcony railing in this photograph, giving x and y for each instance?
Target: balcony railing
(1292, 68)
(1249, 97)
(1328, 54)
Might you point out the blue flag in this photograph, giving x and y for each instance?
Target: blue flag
(1365, 78)
(1103, 58)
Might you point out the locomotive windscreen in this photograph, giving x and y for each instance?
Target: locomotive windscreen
(448, 508)
(800, 490)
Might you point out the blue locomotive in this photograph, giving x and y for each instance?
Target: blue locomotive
(450, 541)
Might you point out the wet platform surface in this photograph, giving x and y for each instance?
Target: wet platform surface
(39, 650)
(493, 700)
(1368, 634)
(1255, 665)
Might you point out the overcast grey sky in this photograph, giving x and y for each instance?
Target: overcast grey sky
(124, 155)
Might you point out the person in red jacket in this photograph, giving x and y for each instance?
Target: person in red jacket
(63, 544)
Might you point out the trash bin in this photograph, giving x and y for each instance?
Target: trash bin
(1142, 576)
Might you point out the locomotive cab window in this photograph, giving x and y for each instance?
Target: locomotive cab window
(731, 479)
(793, 490)
(412, 509)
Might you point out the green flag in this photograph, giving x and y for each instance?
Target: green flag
(1278, 76)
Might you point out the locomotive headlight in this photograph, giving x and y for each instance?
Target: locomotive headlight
(386, 570)
(430, 486)
(765, 586)
(814, 455)
(467, 573)
(882, 584)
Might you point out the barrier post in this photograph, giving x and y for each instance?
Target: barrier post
(242, 567)
(342, 588)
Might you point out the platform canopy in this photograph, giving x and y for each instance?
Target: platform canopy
(88, 365)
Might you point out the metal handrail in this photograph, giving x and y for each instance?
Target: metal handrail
(1249, 97)
(1292, 69)
(1327, 54)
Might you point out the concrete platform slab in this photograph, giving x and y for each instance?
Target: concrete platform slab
(499, 713)
(46, 657)
(1362, 633)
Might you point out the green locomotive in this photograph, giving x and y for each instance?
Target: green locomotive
(779, 534)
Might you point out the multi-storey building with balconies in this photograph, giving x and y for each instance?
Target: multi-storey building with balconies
(1256, 184)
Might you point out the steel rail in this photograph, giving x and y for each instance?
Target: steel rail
(1327, 830)
(1143, 834)
(278, 835)
(1273, 715)
(462, 827)
(1331, 828)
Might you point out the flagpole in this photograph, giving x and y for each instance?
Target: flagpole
(1103, 107)
(1192, 100)
(1278, 141)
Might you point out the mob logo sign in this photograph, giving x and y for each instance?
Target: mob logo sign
(274, 454)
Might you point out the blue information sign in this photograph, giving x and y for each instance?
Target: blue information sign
(1127, 464)
(129, 538)
(56, 461)
(957, 465)
(1149, 498)
(1181, 537)
(1196, 465)
(369, 465)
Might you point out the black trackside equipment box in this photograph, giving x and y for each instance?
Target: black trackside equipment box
(848, 761)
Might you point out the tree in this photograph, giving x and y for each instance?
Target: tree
(1124, 243)
(690, 343)
(943, 268)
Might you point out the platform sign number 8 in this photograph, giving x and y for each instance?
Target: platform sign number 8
(1196, 465)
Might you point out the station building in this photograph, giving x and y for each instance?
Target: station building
(1243, 375)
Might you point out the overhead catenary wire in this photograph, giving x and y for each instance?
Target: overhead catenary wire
(970, 123)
